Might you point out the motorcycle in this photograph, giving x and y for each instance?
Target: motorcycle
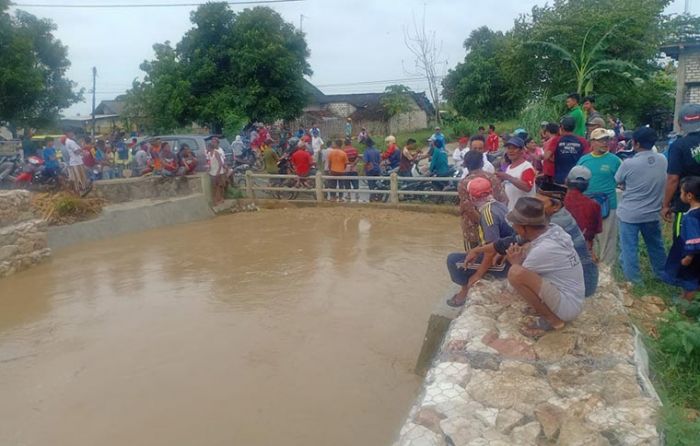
(10, 167)
(35, 175)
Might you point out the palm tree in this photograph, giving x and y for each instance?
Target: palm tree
(588, 63)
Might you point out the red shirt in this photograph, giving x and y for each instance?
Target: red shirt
(302, 161)
(586, 212)
(492, 142)
(389, 151)
(548, 165)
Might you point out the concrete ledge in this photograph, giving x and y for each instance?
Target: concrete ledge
(489, 385)
(134, 216)
(150, 187)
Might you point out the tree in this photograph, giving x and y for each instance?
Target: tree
(425, 49)
(396, 100)
(227, 69)
(33, 86)
(606, 47)
(480, 87)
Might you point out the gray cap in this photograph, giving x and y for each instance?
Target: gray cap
(579, 173)
(689, 118)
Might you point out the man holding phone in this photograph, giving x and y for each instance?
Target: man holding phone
(492, 226)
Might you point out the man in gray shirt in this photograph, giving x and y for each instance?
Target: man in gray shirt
(644, 178)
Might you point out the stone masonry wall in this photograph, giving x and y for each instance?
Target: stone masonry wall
(491, 386)
(23, 238)
(151, 187)
(692, 67)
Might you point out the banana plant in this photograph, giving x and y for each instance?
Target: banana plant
(588, 61)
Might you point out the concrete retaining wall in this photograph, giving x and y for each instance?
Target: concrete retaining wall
(489, 385)
(134, 216)
(23, 239)
(151, 187)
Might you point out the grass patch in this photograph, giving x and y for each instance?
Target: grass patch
(675, 356)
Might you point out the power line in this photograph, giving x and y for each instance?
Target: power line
(141, 5)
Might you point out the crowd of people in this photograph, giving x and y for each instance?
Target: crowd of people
(545, 216)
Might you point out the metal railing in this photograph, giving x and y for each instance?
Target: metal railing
(388, 187)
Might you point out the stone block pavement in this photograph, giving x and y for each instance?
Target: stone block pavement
(489, 385)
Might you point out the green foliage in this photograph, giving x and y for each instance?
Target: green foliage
(229, 68)
(458, 127)
(681, 28)
(588, 61)
(606, 47)
(481, 86)
(67, 205)
(537, 112)
(396, 100)
(33, 86)
(675, 357)
(233, 193)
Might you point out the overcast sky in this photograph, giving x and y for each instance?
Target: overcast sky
(356, 46)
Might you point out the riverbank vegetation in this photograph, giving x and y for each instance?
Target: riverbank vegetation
(673, 341)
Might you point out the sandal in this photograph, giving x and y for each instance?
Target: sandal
(537, 328)
(453, 302)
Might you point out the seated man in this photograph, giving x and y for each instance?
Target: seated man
(547, 274)
(553, 198)
(493, 226)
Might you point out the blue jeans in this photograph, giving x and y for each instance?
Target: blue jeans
(629, 247)
(461, 276)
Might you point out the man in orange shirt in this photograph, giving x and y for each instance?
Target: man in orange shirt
(337, 160)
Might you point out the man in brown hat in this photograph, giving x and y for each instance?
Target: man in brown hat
(547, 273)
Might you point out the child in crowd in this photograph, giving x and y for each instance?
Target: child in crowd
(683, 263)
(534, 154)
(51, 166)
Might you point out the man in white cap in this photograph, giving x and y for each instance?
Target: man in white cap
(683, 161)
(602, 187)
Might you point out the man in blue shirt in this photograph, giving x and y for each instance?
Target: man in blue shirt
(567, 150)
(644, 179)
(51, 166)
(372, 159)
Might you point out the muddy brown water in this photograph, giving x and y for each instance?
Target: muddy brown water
(294, 327)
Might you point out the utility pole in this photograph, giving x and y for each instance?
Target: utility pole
(301, 22)
(94, 75)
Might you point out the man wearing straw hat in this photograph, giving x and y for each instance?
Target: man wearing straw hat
(547, 273)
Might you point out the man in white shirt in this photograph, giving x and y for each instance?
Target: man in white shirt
(478, 144)
(462, 148)
(76, 170)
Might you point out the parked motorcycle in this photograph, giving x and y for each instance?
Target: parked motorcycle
(34, 175)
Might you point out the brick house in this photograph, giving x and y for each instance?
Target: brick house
(688, 74)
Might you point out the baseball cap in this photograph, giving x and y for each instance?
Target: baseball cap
(646, 137)
(689, 118)
(464, 140)
(479, 187)
(516, 142)
(579, 173)
(599, 134)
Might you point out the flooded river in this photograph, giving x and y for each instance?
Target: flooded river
(285, 327)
